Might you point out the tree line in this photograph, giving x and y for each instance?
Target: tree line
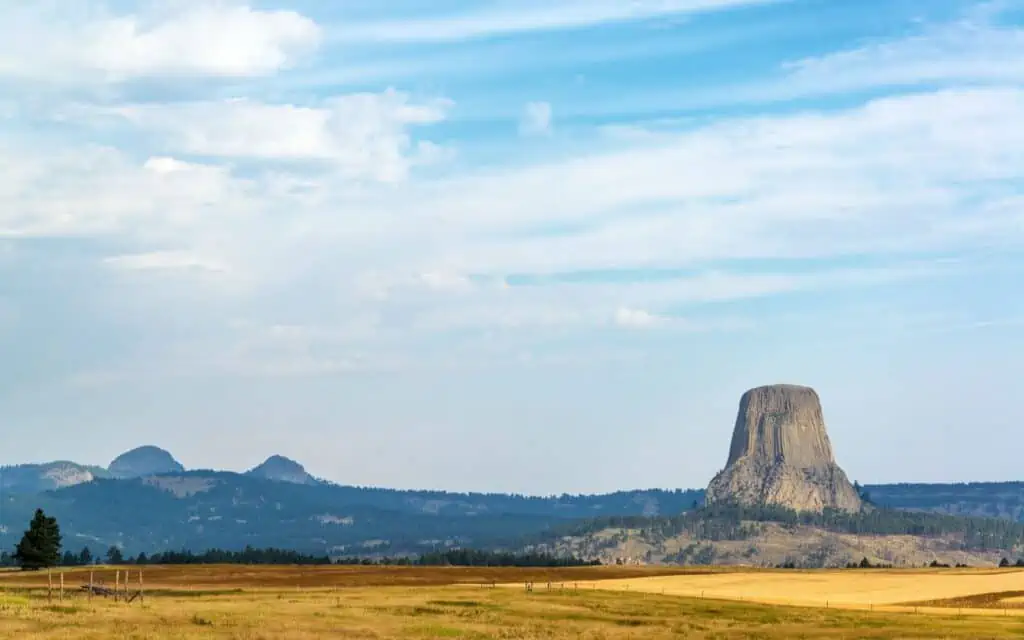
(40, 547)
(723, 521)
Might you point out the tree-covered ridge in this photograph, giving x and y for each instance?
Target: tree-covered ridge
(738, 522)
(204, 509)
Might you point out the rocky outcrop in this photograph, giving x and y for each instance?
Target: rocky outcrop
(34, 478)
(781, 455)
(144, 461)
(281, 469)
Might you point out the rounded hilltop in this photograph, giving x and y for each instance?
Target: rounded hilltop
(147, 460)
(281, 469)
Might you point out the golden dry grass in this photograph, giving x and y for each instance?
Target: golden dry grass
(256, 603)
(838, 588)
(459, 612)
(222, 577)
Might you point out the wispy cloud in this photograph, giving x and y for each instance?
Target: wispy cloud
(164, 261)
(637, 318)
(968, 50)
(312, 205)
(505, 17)
(537, 119)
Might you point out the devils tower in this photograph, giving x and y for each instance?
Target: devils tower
(781, 455)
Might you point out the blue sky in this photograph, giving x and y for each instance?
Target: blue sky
(527, 245)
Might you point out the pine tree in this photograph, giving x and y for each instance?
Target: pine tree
(69, 559)
(85, 557)
(40, 546)
(114, 556)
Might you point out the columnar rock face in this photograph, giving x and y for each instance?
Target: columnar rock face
(781, 455)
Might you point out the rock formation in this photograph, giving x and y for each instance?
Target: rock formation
(281, 469)
(144, 461)
(33, 478)
(781, 455)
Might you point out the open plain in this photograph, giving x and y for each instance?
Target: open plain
(850, 588)
(246, 602)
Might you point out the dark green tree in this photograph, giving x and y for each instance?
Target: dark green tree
(40, 546)
(141, 559)
(114, 556)
(69, 559)
(85, 557)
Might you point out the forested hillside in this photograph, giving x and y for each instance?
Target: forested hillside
(198, 510)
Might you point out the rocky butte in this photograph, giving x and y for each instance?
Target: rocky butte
(781, 455)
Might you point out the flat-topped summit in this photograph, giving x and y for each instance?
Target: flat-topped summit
(781, 454)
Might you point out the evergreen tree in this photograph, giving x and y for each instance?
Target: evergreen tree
(69, 559)
(85, 557)
(114, 556)
(141, 559)
(40, 546)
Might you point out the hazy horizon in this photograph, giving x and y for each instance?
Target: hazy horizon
(496, 245)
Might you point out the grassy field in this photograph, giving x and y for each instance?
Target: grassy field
(996, 589)
(223, 577)
(366, 602)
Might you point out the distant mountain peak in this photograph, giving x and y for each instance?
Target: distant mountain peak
(282, 469)
(147, 460)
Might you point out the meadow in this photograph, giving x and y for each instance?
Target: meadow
(242, 602)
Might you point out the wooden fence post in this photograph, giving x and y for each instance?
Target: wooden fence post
(62, 586)
(49, 585)
(117, 585)
(127, 573)
(90, 585)
(142, 590)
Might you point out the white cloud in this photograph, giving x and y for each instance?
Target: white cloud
(164, 261)
(637, 318)
(537, 119)
(882, 180)
(80, 41)
(894, 175)
(627, 304)
(519, 16)
(88, 190)
(446, 281)
(969, 50)
(363, 136)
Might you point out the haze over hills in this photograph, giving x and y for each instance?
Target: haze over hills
(282, 469)
(153, 504)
